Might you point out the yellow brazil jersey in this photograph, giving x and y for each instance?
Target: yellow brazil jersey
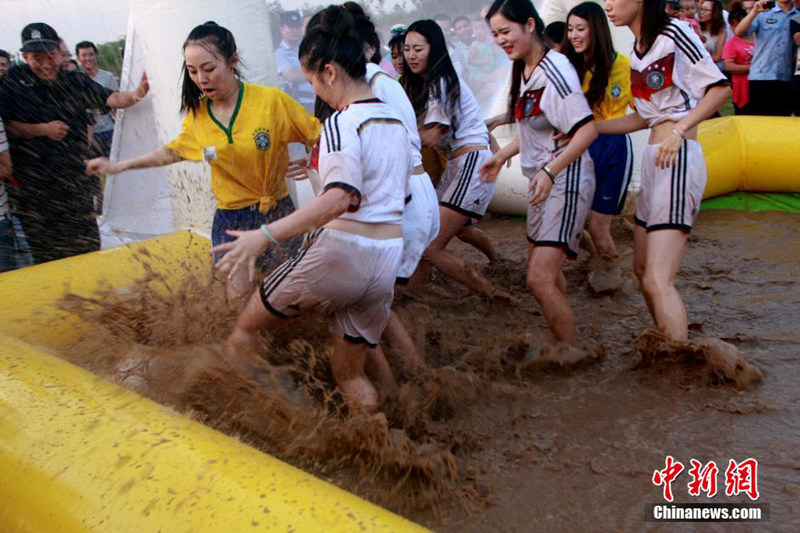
(618, 95)
(249, 156)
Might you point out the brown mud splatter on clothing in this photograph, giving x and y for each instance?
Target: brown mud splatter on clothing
(506, 424)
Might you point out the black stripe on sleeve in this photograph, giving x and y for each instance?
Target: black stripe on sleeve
(555, 78)
(683, 43)
(578, 125)
(718, 83)
(349, 188)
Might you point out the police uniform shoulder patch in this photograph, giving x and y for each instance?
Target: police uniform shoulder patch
(261, 138)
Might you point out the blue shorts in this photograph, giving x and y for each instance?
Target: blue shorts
(249, 218)
(613, 167)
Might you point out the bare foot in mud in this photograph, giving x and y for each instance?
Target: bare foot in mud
(724, 359)
(605, 276)
(559, 354)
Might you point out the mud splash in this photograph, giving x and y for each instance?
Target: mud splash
(489, 428)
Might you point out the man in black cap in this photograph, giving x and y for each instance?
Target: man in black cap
(287, 62)
(45, 112)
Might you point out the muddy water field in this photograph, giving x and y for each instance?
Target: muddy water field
(488, 440)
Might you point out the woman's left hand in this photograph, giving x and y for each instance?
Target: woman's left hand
(668, 151)
(561, 140)
(241, 253)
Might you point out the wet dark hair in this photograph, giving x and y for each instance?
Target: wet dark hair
(440, 68)
(322, 110)
(332, 38)
(736, 15)
(654, 20)
(600, 51)
(717, 22)
(218, 41)
(5, 54)
(85, 44)
(555, 33)
(519, 11)
(366, 30)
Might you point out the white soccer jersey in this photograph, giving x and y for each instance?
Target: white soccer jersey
(364, 148)
(465, 120)
(673, 75)
(550, 102)
(389, 91)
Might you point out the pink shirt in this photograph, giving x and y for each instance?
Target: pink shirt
(740, 52)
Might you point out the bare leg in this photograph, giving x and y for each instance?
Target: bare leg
(561, 281)
(478, 238)
(600, 230)
(241, 350)
(378, 370)
(347, 364)
(240, 288)
(639, 261)
(543, 271)
(403, 345)
(420, 277)
(664, 253)
(451, 265)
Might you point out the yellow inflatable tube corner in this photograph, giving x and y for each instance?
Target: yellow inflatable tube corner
(756, 154)
(81, 454)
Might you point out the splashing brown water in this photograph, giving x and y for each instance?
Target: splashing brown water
(517, 443)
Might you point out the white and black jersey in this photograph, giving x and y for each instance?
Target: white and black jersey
(464, 119)
(672, 76)
(364, 149)
(389, 91)
(551, 101)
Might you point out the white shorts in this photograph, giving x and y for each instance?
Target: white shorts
(420, 224)
(559, 220)
(348, 277)
(461, 189)
(669, 198)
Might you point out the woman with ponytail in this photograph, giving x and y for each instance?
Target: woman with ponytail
(675, 86)
(348, 266)
(546, 100)
(242, 131)
(606, 80)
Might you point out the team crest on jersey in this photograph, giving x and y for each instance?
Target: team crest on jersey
(655, 80)
(528, 104)
(656, 77)
(261, 137)
(616, 90)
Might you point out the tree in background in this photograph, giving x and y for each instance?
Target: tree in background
(109, 56)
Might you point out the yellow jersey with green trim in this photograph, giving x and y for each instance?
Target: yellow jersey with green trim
(618, 97)
(250, 155)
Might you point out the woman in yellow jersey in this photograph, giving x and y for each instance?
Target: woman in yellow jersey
(606, 79)
(242, 130)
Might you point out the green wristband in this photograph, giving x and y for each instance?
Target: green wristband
(265, 231)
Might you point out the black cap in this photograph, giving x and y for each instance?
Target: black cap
(291, 19)
(39, 37)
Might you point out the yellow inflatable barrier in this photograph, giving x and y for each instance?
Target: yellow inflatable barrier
(757, 154)
(81, 454)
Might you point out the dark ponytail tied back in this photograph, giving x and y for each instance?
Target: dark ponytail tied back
(217, 40)
(331, 37)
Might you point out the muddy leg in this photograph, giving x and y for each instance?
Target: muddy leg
(543, 274)
(449, 264)
(663, 259)
(241, 349)
(478, 238)
(347, 364)
(378, 369)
